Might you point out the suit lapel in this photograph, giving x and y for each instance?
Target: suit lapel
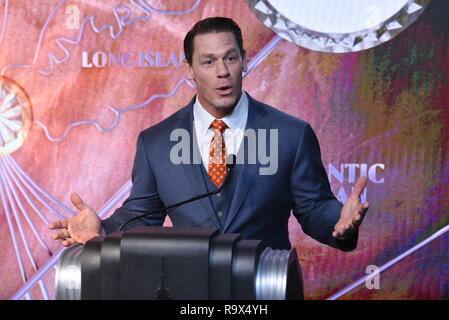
(245, 174)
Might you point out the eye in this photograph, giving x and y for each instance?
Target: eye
(232, 58)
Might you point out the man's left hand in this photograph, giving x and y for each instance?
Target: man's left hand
(352, 213)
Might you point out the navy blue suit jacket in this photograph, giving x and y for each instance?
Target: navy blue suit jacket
(260, 205)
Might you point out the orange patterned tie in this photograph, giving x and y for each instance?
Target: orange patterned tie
(217, 153)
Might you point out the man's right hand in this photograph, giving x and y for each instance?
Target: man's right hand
(77, 229)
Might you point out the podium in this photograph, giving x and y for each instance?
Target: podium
(162, 263)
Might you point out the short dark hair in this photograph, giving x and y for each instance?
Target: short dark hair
(212, 25)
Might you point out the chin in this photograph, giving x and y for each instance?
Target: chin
(226, 103)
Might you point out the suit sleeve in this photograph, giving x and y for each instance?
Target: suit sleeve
(143, 197)
(315, 206)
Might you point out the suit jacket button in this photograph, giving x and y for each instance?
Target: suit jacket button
(220, 214)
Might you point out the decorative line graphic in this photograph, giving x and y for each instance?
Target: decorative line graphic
(5, 19)
(251, 65)
(13, 183)
(390, 263)
(91, 18)
(127, 187)
(117, 113)
(121, 21)
(383, 108)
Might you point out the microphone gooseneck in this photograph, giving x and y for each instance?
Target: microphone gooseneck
(230, 163)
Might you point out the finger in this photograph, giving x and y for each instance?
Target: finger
(60, 224)
(357, 219)
(359, 186)
(341, 234)
(69, 242)
(339, 231)
(363, 209)
(63, 234)
(345, 231)
(78, 202)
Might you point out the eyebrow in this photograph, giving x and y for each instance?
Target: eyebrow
(211, 55)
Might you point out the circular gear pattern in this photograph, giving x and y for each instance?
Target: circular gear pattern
(15, 116)
(380, 26)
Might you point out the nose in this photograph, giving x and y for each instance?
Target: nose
(222, 69)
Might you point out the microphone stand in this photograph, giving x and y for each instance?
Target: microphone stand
(230, 163)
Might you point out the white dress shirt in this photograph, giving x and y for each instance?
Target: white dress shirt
(233, 135)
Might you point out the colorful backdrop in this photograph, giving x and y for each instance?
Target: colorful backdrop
(96, 73)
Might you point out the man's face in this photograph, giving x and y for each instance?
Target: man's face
(216, 68)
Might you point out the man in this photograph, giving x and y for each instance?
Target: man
(254, 204)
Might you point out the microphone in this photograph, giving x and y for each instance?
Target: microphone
(230, 163)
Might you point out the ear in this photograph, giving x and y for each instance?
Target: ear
(188, 69)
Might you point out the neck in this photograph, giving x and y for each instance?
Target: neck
(218, 113)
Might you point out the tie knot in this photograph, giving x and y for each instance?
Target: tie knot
(219, 125)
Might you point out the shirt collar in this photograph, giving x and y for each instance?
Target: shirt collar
(234, 120)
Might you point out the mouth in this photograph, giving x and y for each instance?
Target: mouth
(224, 90)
